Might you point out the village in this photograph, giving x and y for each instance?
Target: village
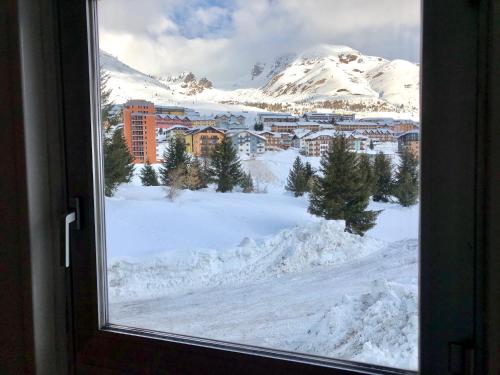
(147, 128)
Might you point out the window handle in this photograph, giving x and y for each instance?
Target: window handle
(72, 216)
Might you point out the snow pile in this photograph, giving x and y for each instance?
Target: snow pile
(294, 250)
(380, 326)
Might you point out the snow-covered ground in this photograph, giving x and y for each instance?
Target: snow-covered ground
(258, 269)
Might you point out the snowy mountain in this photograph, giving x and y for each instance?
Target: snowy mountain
(321, 74)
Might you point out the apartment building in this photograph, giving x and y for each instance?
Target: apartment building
(289, 127)
(277, 141)
(139, 130)
(410, 141)
(201, 141)
(248, 142)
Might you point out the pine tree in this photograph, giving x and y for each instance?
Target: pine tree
(148, 175)
(258, 126)
(367, 174)
(205, 171)
(406, 181)
(297, 178)
(309, 173)
(194, 180)
(105, 93)
(174, 157)
(225, 167)
(118, 167)
(372, 146)
(247, 183)
(339, 192)
(382, 178)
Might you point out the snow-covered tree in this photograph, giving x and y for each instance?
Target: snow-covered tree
(339, 193)
(225, 168)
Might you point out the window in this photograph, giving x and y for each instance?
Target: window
(149, 331)
(255, 255)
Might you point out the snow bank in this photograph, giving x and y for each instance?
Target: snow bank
(379, 326)
(292, 250)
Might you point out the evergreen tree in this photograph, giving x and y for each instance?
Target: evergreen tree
(382, 178)
(372, 146)
(309, 173)
(339, 192)
(148, 175)
(194, 178)
(258, 126)
(174, 157)
(105, 93)
(247, 183)
(225, 167)
(406, 181)
(118, 167)
(367, 174)
(297, 178)
(205, 171)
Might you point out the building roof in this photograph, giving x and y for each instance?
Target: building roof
(409, 133)
(232, 133)
(176, 127)
(138, 102)
(204, 128)
(358, 123)
(172, 117)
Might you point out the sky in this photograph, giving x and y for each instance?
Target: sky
(223, 39)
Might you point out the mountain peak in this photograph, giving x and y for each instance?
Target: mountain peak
(327, 50)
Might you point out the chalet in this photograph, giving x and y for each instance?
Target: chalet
(410, 141)
(201, 141)
(248, 142)
(175, 131)
(276, 141)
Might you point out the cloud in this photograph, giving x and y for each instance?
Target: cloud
(223, 39)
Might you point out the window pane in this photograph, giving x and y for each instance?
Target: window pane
(261, 165)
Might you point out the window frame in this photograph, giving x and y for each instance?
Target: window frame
(454, 251)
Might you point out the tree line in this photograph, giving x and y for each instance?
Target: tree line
(347, 180)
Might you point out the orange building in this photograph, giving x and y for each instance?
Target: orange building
(139, 129)
(202, 141)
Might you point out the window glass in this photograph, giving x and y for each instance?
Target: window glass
(261, 168)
